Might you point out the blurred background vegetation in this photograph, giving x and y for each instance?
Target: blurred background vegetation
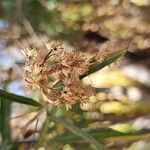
(122, 98)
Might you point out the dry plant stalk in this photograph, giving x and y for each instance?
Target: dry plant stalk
(50, 64)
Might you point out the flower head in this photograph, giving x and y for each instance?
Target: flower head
(50, 64)
(56, 71)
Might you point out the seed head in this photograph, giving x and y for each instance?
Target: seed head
(57, 65)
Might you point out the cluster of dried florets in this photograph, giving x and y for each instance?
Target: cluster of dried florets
(50, 65)
(56, 72)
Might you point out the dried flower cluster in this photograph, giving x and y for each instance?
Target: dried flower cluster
(51, 64)
(55, 72)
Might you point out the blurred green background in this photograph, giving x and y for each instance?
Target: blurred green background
(122, 98)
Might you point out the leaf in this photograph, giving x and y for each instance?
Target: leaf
(17, 98)
(5, 124)
(96, 133)
(103, 64)
(105, 134)
(78, 132)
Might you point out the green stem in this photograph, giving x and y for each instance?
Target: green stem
(5, 117)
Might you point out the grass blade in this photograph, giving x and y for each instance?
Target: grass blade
(96, 133)
(78, 132)
(103, 64)
(17, 98)
(105, 134)
(5, 124)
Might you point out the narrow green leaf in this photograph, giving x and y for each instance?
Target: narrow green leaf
(103, 64)
(5, 124)
(96, 133)
(78, 132)
(104, 134)
(17, 98)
